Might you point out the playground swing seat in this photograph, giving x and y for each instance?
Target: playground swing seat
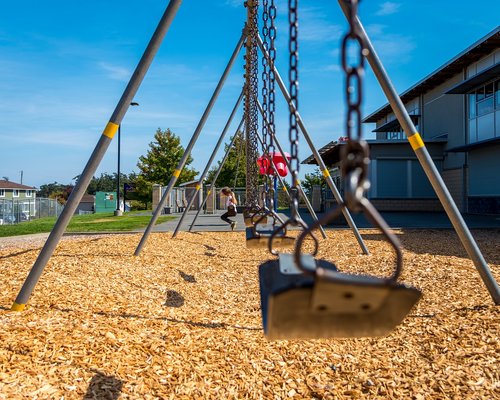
(303, 298)
(260, 238)
(254, 216)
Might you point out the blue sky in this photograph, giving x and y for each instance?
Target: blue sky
(65, 64)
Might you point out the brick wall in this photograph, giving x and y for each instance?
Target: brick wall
(453, 180)
(407, 204)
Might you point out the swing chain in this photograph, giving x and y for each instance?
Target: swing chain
(355, 158)
(265, 76)
(272, 77)
(251, 112)
(293, 132)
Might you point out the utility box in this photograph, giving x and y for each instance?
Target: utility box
(105, 202)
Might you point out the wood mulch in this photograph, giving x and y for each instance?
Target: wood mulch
(182, 321)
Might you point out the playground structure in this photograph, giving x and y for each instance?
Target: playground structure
(319, 280)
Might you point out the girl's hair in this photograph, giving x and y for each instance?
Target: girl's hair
(226, 191)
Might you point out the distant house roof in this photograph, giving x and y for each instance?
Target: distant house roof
(473, 53)
(13, 185)
(326, 149)
(331, 152)
(87, 198)
(188, 183)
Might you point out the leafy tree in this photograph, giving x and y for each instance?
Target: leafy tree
(236, 159)
(107, 182)
(163, 156)
(314, 178)
(160, 162)
(55, 190)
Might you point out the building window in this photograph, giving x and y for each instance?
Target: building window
(482, 104)
(28, 193)
(15, 193)
(2, 192)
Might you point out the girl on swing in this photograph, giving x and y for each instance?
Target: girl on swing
(231, 203)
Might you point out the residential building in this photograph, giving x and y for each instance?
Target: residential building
(456, 110)
(17, 201)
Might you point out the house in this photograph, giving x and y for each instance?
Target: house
(86, 205)
(17, 201)
(456, 110)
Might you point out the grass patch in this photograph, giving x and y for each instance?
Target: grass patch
(102, 222)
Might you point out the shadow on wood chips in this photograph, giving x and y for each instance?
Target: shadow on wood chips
(103, 387)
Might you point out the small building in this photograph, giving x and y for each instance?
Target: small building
(17, 201)
(86, 205)
(456, 110)
(105, 202)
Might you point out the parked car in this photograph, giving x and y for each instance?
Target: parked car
(7, 219)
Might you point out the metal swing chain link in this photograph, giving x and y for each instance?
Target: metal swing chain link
(355, 158)
(251, 111)
(265, 75)
(272, 76)
(293, 76)
(265, 93)
(255, 89)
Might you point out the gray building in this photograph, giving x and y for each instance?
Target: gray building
(456, 110)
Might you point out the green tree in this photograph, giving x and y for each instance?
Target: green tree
(235, 162)
(314, 178)
(107, 182)
(55, 190)
(160, 162)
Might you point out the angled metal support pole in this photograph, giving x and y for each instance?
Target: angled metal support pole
(428, 165)
(190, 146)
(223, 161)
(96, 157)
(287, 162)
(209, 164)
(315, 152)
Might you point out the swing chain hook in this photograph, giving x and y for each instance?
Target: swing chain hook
(355, 153)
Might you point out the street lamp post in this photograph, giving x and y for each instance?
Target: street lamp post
(118, 211)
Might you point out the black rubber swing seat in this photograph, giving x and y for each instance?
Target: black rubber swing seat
(251, 220)
(260, 239)
(328, 303)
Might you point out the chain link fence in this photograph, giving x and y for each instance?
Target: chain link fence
(16, 211)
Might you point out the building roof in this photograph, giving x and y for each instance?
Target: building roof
(13, 185)
(331, 152)
(326, 149)
(87, 198)
(473, 53)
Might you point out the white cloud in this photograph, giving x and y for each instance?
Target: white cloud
(315, 26)
(388, 8)
(392, 48)
(116, 72)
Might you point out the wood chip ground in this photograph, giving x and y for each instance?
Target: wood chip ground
(182, 321)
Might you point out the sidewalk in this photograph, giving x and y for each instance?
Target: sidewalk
(416, 220)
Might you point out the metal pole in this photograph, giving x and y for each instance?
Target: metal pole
(96, 157)
(428, 165)
(209, 163)
(193, 140)
(212, 186)
(299, 186)
(118, 210)
(315, 152)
